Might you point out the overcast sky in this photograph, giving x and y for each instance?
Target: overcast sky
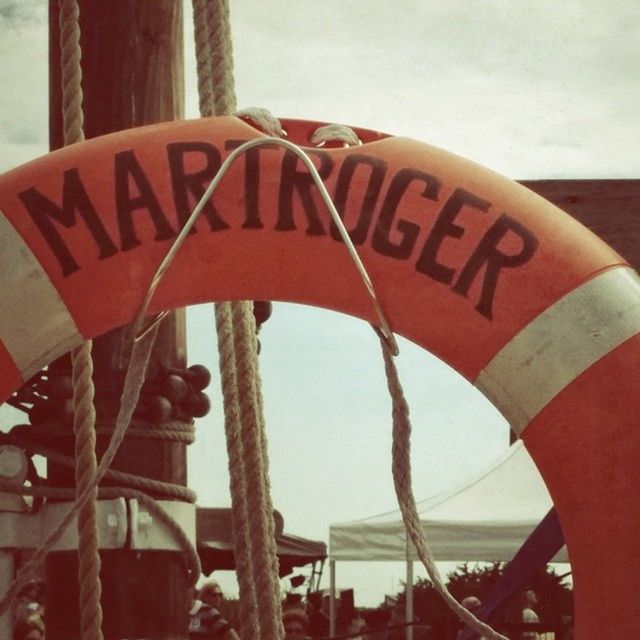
(530, 89)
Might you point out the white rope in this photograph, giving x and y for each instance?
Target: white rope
(331, 132)
(109, 493)
(264, 120)
(248, 601)
(254, 542)
(90, 587)
(401, 466)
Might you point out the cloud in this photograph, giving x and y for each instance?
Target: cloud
(22, 133)
(494, 80)
(24, 81)
(17, 15)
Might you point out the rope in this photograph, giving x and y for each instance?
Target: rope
(331, 132)
(221, 48)
(175, 430)
(166, 490)
(401, 466)
(203, 57)
(85, 468)
(264, 120)
(259, 505)
(83, 389)
(187, 436)
(134, 379)
(254, 544)
(248, 601)
(71, 54)
(401, 447)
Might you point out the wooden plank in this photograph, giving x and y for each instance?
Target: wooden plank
(609, 208)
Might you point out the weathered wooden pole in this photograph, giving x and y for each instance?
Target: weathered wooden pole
(132, 61)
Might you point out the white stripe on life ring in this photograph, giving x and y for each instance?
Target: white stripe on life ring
(561, 343)
(35, 325)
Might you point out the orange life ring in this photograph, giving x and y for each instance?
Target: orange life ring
(514, 294)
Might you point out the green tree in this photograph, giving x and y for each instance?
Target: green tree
(555, 598)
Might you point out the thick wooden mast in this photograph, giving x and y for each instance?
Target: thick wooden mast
(132, 59)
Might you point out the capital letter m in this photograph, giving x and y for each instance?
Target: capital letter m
(74, 200)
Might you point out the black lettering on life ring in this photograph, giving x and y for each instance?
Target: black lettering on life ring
(127, 170)
(381, 241)
(294, 180)
(188, 188)
(487, 253)
(74, 200)
(192, 165)
(445, 227)
(377, 170)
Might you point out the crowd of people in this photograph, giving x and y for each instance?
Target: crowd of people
(304, 621)
(301, 620)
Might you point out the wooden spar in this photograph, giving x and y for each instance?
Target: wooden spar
(132, 59)
(609, 208)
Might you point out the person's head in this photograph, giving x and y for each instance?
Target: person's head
(471, 603)
(295, 623)
(356, 625)
(33, 591)
(31, 628)
(326, 601)
(529, 598)
(211, 593)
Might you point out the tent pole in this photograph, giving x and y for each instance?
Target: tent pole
(7, 573)
(332, 600)
(408, 591)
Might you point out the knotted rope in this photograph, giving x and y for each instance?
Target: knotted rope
(252, 510)
(83, 389)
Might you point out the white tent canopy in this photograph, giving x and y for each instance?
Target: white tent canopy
(486, 519)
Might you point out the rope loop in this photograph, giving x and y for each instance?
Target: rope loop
(264, 120)
(333, 133)
(159, 488)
